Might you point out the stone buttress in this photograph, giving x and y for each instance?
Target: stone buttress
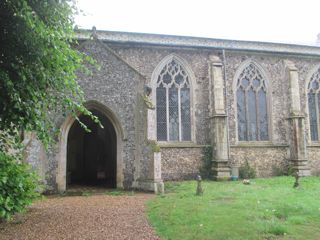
(218, 121)
(297, 139)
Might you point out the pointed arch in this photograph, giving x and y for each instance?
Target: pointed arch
(313, 99)
(244, 65)
(173, 85)
(179, 60)
(252, 96)
(61, 175)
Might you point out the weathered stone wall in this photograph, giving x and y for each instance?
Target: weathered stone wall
(118, 86)
(314, 160)
(145, 60)
(180, 163)
(34, 153)
(42, 161)
(263, 159)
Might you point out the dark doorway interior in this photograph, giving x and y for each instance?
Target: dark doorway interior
(91, 156)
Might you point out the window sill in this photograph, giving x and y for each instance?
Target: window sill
(314, 144)
(179, 145)
(257, 144)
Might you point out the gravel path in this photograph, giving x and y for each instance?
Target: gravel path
(83, 217)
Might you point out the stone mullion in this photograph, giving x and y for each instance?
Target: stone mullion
(257, 116)
(247, 113)
(179, 113)
(317, 114)
(167, 111)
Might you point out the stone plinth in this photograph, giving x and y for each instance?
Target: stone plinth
(154, 181)
(298, 150)
(220, 157)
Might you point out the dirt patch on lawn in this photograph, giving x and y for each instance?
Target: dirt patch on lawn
(83, 217)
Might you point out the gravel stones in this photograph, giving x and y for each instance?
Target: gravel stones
(83, 217)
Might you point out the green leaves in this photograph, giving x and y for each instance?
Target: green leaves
(38, 65)
(37, 83)
(17, 185)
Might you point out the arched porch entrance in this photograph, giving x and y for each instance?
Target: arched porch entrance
(92, 156)
(69, 172)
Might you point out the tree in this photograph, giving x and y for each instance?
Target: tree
(38, 65)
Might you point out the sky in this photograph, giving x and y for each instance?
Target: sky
(284, 21)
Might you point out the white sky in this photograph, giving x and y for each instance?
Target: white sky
(291, 21)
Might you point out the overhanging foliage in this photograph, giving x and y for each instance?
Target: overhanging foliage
(38, 64)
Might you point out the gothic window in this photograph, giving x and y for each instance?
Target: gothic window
(252, 105)
(314, 105)
(173, 103)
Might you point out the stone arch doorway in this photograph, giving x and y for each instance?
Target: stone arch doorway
(61, 156)
(92, 156)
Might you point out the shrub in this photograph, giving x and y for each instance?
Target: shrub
(278, 171)
(17, 181)
(17, 186)
(206, 167)
(282, 170)
(246, 171)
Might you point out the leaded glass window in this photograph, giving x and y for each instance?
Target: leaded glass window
(314, 105)
(173, 103)
(252, 105)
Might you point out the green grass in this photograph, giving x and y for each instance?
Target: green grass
(117, 192)
(268, 208)
(86, 194)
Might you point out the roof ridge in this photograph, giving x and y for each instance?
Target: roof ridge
(200, 42)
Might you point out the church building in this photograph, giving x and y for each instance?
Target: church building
(163, 99)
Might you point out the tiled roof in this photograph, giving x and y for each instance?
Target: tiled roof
(197, 42)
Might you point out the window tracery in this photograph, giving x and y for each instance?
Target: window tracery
(314, 105)
(173, 103)
(252, 110)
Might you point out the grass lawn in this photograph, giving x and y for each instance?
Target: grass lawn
(268, 208)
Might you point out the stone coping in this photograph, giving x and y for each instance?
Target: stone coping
(198, 42)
